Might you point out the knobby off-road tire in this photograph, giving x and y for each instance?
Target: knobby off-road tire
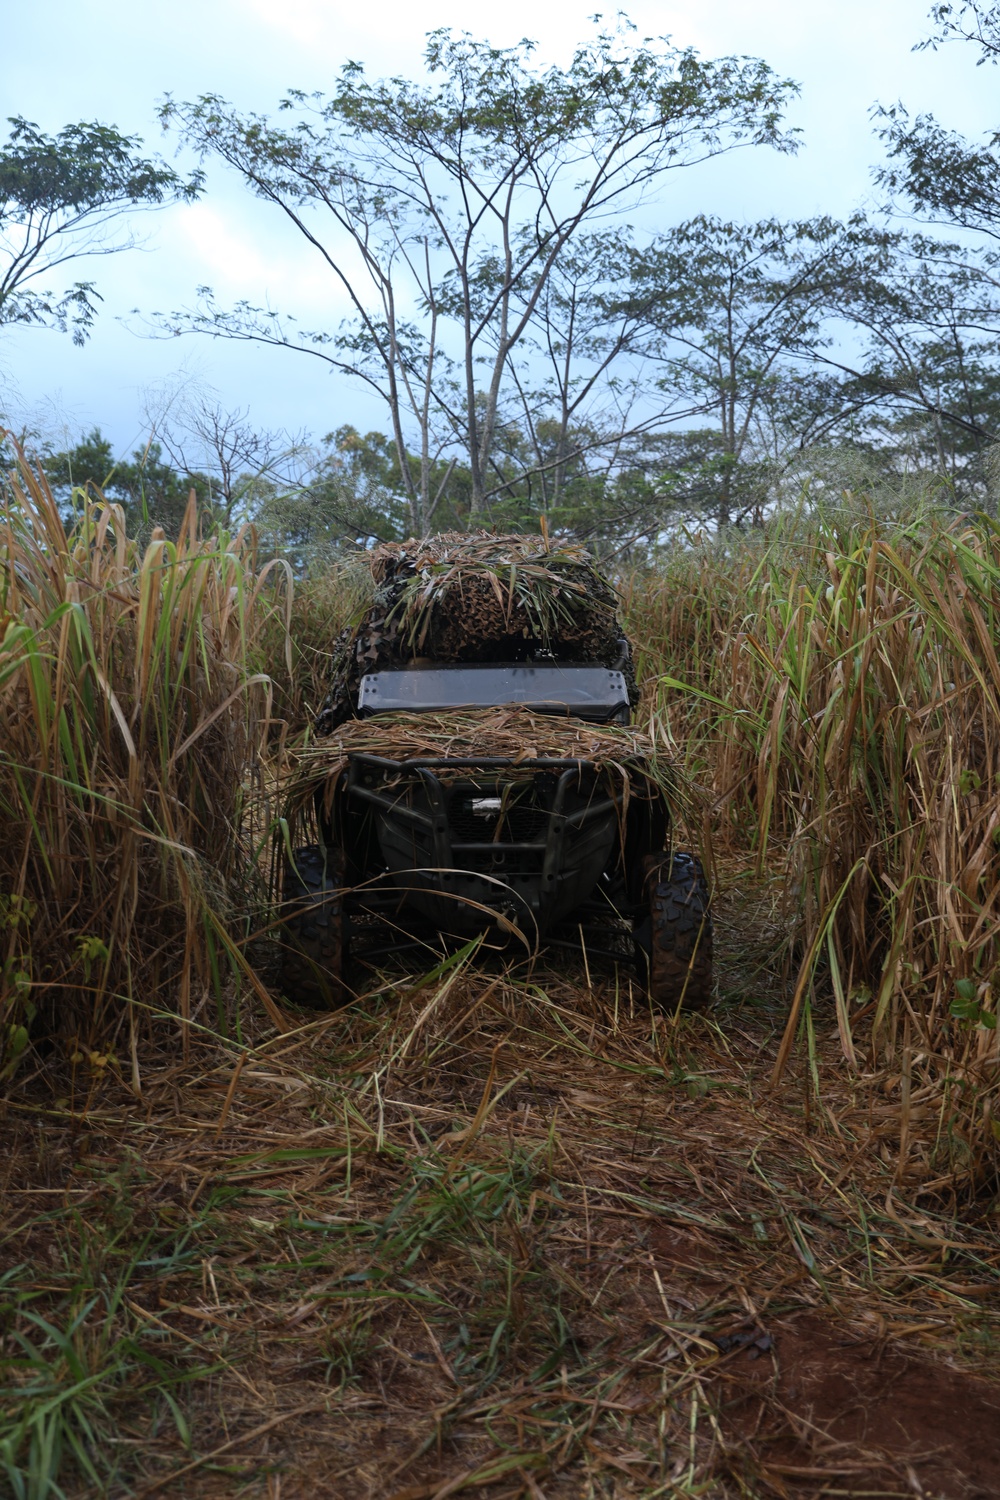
(674, 939)
(313, 931)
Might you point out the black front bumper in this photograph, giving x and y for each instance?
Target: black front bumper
(543, 855)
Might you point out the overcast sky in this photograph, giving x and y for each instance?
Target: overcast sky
(65, 60)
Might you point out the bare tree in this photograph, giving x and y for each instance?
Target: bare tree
(406, 190)
(577, 385)
(239, 461)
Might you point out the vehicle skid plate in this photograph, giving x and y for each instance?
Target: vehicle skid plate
(468, 840)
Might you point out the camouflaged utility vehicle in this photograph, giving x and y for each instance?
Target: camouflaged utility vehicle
(475, 769)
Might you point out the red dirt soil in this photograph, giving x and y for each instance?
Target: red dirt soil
(857, 1413)
(857, 1408)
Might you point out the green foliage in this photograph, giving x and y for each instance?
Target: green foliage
(78, 1357)
(969, 21)
(59, 1392)
(519, 385)
(419, 194)
(150, 491)
(934, 324)
(939, 172)
(735, 312)
(352, 498)
(967, 1006)
(449, 1205)
(59, 197)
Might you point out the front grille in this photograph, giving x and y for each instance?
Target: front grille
(521, 820)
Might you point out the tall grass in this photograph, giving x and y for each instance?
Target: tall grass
(834, 682)
(838, 684)
(299, 639)
(131, 719)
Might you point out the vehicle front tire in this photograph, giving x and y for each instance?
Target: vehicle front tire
(673, 939)
(313, 931)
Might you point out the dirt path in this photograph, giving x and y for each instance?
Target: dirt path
(504, 1236)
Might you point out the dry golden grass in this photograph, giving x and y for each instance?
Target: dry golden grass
(499, 1229)
(512, 731)
(838, 688)
(499, 1232)
(298, 642)
(132, 719)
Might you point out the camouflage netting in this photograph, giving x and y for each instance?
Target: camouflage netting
(475, 597)
(513, 731)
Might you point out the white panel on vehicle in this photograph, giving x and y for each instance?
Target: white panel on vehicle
(585, 691)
